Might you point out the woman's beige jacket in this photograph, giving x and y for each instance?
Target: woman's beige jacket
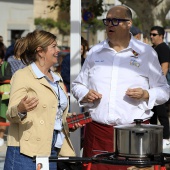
(35, 132)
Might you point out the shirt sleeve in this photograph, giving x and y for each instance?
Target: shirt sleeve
(159, 90)
(80, 85)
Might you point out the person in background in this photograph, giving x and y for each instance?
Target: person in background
(65, 65)
(38, 106)
(5, 74)
(15, 61)
(136, 32)
(10, 48)
(84, 49)
(117, 84)
(1, 39)
(83, 57)
(60, 58)
(160, 111)
(65, 71)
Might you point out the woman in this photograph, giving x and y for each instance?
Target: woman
(38, 106)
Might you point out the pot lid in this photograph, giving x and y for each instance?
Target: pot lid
(138, 125)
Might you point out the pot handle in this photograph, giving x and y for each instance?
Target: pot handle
(138, 121)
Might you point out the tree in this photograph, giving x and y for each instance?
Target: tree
(93, 23)
(149, 12)
(46, 24)
(97, 9)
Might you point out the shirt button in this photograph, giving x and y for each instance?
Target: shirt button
(41, 121)
(44, 106)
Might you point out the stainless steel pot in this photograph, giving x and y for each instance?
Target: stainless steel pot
(138, 140)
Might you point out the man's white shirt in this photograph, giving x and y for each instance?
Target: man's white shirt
(111, 73)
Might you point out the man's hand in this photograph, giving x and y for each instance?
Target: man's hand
(91, 96)
(27, 104)
(137, 93)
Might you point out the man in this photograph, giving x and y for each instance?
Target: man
(121, 80)
(136, 32)
(163, 51)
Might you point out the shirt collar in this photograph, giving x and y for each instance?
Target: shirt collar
(132, 45)
(40, 75)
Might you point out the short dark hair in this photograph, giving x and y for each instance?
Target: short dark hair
(135, 30)
(2, 50)
(159, 29)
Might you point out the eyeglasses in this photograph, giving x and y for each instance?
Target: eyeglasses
(153, 34)
(114, 21)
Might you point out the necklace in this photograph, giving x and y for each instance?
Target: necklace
(60, 111)
(49, 76)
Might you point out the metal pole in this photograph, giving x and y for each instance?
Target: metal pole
(75, 62)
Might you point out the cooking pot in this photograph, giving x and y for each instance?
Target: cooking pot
(138, 140)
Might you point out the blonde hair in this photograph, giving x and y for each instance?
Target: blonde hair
(25, 48)
(19, 47)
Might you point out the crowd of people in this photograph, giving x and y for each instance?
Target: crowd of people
(121, 79)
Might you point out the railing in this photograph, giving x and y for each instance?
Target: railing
(4, 123)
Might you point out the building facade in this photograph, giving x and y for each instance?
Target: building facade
(16, 19)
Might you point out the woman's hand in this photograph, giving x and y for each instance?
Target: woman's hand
(27, 104)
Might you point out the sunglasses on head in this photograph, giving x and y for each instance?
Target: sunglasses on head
(152, 34)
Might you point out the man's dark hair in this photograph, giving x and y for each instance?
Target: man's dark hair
(159, 29)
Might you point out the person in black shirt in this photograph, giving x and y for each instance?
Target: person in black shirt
(160, 111)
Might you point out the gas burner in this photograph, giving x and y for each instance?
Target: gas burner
(114, 155)
(115, 159)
